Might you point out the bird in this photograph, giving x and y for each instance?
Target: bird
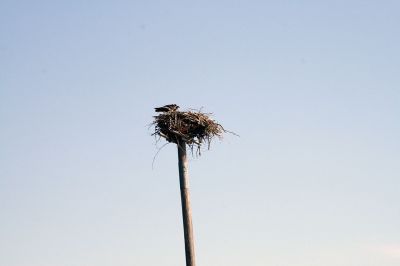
(167, 108)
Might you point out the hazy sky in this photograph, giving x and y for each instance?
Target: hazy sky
(311, 87)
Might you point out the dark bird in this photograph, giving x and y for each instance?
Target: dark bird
(167, 108)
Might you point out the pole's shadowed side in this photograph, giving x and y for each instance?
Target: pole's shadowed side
(185, 200)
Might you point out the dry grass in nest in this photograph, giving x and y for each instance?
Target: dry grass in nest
(192, 127)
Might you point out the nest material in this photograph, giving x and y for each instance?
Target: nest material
(193, 128)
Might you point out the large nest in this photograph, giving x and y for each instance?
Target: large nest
(192, 127)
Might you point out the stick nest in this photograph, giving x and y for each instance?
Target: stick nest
(192, 127)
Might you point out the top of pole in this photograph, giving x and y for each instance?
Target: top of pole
(191, 127)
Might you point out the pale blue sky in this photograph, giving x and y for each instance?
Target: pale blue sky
(312, 87)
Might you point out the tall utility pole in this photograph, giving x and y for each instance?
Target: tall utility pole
(185, 199)
(190, 129)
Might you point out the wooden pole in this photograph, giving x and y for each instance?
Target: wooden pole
(185, 200)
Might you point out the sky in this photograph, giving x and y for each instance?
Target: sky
(311, 87)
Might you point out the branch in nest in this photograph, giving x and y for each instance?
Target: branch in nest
(194, 128)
